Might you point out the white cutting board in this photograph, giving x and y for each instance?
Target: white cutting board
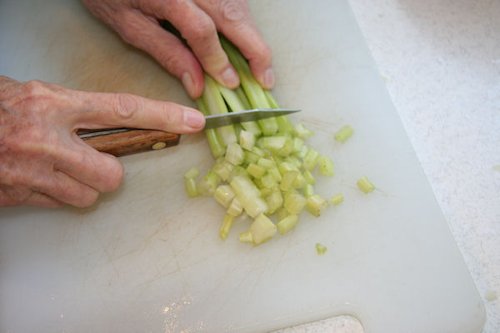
(146, 258)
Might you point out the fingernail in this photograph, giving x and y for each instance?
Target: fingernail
(269, 78)
(194, 119)
(187, 82)
(230, 78)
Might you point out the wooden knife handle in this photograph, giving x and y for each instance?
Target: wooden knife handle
(130, 141)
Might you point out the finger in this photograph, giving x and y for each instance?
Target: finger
(168, 50)
(200, 33)
(65, 189)
(32, 199)
(102, 172)
(101, 110)
(233, 20)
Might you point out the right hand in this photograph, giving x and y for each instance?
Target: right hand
(43, 162)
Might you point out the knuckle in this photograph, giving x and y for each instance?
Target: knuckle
(172, 115)
(201, 30)
(125, 106)
(114, 176)
(233, 10)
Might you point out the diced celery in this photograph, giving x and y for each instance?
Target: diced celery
(337, 199)
(344, 133)
(248, 195)
(286, 167)
(320, 249)
(288, 179)
(365, 185)
(298, 144)
(224, 194)
(246, 237)
(192, 173)
(191, 187)
(251, 157)
(223, 169)
(247, 140)
(227, 223)
(288, 223)
(325, 166)
(272, 143)
(255, 170)
(208, 183)
(299, 182)
(302, 132)
(269, 181)
(282, 213)
(234, 154)
(275, 173)
(262, 229)
(266, 163)
(235, 208)
(311, 159)
(274, 202)
(308, 176)
(316, 204)
(308, 190)
(294, 202)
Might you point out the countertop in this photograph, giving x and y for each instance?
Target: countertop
(441, 64)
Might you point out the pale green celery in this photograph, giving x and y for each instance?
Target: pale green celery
(344, 133)
(224, 195)
(298, 144)
(191, 187)
(365, 185)
(268, 181)
(242, 97)
(236, 104)
(287, 223)
(293, 160)
(337, 199)
(266, 163)
(303, 152)
(262, 229)
(255, 170)
(308, 190)
(251, 157)
(294, 202)
(302, 132)
(265, 191)
(192, 173)
(246, 237)
(282, 213)
(249, 196)
(311, 159)
(227, 223)
(287, 148)
(213, 139)
(223, 168)
(215, 105)
(234, 154)
(238, 171)
(285, 167)
(285, 126)
(275, 173)
(308, 176)
(254, 92)
(325, 166)
(316, 204)
(256, 150)
(274, 201)
(247, 140)
(288, 179)
(235, 208)
(272, 143)
(320, 249)
(208, 184)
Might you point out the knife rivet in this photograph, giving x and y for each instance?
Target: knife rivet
(158, 146)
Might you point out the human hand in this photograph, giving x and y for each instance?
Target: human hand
(198, 21)
(43, 162)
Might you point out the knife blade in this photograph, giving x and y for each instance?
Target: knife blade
(125, 141)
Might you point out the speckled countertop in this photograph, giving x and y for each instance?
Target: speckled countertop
(441, 63)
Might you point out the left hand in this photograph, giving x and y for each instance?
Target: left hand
(137, 22)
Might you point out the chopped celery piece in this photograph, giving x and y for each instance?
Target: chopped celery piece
(223, 169)
(316, 204)
(311, 159)
(246, 237)
(262, 229)
(238, 170)
(274, 201)
(308, 190)
(192, 173)
(294, 202)
(288, 223)
(282, 213)
(299, 181)
(235, 208)
(286, 167)
(365, 185)
(251, 157)
(249, 196)
(272, 143)
(302, 132)
(275, 173)
(209, 183)
(234, 154)
(214, 141)
(320, 249)
(308, 176)
(266, 163)
(337, 199)
(298, 144)
(325, 166)
(255, 170)
(344, 133)
(224, 194)
(247, 140)
(269, 181)
(191, 187)
(288, 180)
(227, 223)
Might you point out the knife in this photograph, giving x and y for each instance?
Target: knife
(125, 141)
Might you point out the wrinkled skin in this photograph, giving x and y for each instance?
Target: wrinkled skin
(42, 160)
(198, 21)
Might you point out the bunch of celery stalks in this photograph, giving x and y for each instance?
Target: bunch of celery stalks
(262, 168)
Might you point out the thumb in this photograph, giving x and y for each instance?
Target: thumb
(104, 110)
